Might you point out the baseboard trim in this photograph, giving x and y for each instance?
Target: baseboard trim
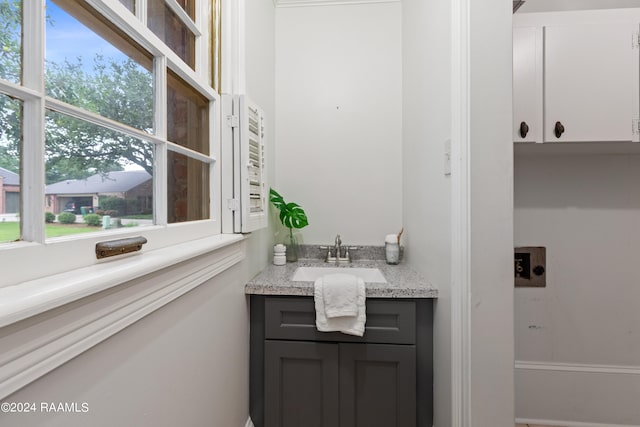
(36, 346)
(568, 423)
(578, 367)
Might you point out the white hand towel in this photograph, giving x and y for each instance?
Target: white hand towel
(352, 325)
(340, 293)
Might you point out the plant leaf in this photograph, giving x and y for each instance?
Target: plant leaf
(291, 214)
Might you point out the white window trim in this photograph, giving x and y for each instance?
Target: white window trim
(32, 184)
(40, 295)
(58, 255)
(183, 16)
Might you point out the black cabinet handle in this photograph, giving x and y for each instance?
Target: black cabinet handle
(558, 130)
(524, 129)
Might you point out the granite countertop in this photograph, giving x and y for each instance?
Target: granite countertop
(403, 282)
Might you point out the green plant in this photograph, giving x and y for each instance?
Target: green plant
(93, 220)
(291, 214)
(49, 217)
(67, 218)
(115, 205)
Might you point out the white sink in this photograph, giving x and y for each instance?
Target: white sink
(310, 274)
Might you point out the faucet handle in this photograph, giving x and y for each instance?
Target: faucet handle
(328, 249)
(347, 253)
(338, 240)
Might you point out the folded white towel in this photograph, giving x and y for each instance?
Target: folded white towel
(340, 292)
(349, 324)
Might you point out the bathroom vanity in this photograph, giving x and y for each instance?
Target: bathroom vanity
(302, 377)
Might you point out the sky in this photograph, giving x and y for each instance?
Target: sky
(68, 38)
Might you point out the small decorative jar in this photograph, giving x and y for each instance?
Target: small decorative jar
(392, 249)
(279, 254)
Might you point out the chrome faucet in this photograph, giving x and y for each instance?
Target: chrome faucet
(338, 252)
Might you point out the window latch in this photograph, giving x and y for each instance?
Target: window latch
(119, 247)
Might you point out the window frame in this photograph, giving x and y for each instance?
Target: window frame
(62, 254)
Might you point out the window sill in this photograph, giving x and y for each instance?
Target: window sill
(31, 298)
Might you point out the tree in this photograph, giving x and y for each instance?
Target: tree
(77, 149)
(10, 28)
(10, 109)
(120, 90)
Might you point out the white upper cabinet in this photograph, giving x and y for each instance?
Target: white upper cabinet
(527, 84)
(589, 76)
(575, 77)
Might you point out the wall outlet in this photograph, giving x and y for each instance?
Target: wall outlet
(530, 266)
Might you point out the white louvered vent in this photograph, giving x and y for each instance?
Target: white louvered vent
(254, 126)
(245, 127)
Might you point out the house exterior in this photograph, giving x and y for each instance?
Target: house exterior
(135, 187)
(9, 192)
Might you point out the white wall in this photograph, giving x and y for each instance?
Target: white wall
(338, 103)
(260, 86)
(585, 210)
(426, 124)
(183, 365)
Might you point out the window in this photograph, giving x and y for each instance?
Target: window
(173, 23)
(113, 116)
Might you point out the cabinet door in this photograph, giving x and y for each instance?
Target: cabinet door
(301, 384)
(527, 84)
(590, 82)
(377, 385)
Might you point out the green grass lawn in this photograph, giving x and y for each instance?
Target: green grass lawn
(10, 231)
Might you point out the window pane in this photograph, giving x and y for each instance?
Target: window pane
(189, 6)
(188, 188)
(10, 136)
(189, 115)
(85, 70)
(129, 4)
(11, 39)
(173, 32)
(90, 169)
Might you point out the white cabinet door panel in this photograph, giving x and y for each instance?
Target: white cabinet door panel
(589, 82)
(527, 83)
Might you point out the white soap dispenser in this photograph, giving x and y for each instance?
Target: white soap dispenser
(279, 254)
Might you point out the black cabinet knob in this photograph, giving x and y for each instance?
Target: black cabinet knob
(558, 129)
(538, 270)
(524, 129)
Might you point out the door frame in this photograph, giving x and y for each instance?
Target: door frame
(482, 339)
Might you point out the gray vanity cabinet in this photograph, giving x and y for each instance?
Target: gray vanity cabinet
(377, 385)
(304, 378)
(301, 379)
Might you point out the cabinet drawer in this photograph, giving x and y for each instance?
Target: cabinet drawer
(294, 318)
